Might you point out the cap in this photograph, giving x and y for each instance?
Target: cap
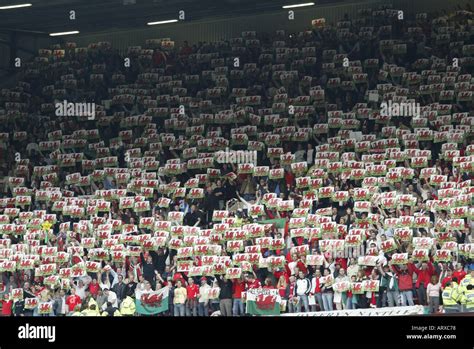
(203, 278)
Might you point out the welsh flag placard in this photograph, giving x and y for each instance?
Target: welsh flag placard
(152, 303)
(263, 302)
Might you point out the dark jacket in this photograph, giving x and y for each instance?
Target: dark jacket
(160, 260)
(226, 288)
(120, 290)
(148, 269)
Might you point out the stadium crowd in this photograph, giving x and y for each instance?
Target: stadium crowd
(345, 207)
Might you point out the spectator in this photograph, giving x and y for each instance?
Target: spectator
(192, 291)
(433, 291)
(180, 296)
(238, 286)
(302, 289)
(405, 284)
(203, 305)
(327, 291)
(424, 276)
(225, 296)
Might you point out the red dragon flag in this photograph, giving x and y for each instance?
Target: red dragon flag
(233, 273)
(263, 302)
(152, 303)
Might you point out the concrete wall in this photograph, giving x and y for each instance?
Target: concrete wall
(226, 28)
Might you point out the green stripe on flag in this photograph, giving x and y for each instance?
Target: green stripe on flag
(263, 302)
(279, 222)
(153, 303)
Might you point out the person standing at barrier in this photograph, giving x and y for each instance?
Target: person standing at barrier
(405, 284)
(424, 273)
(432, 293)
(389, 282)
(327, 291)
(316, 290)
(180, 296)
(302, 289)
(450, 298)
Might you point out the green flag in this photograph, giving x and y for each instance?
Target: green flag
(279, 222)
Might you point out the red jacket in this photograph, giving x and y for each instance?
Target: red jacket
(252, 285)
(280, 273)
(459, 275)
(424, 276)
(94, 288)
(302, 267)
(342, 262)
(289, 178)
(317, 287)
(192, 290)
(7, 307)
(445, 280)
(237, 289)
(405, 280)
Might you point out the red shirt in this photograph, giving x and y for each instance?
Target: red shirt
(289, 178)
(73, 301)
(317, 287)
(459, 274)
(94, 289)
(445, 280)
(424, 276)
(7, 307)
(302, 267)
(280, 273)
(177, 277)
(254, 284)
(292, 290)
(342, 262)
(237, 289)
(186, 50)
(192, 290)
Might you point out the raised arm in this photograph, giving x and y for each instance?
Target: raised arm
(115, 277)
(243, 200)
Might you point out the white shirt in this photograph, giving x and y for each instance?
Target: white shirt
(310, 156)
(299, 155)
(292, 266)
(204, 293)
(112, 298)
(62, 307)
(81, 291)
(302, 286)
